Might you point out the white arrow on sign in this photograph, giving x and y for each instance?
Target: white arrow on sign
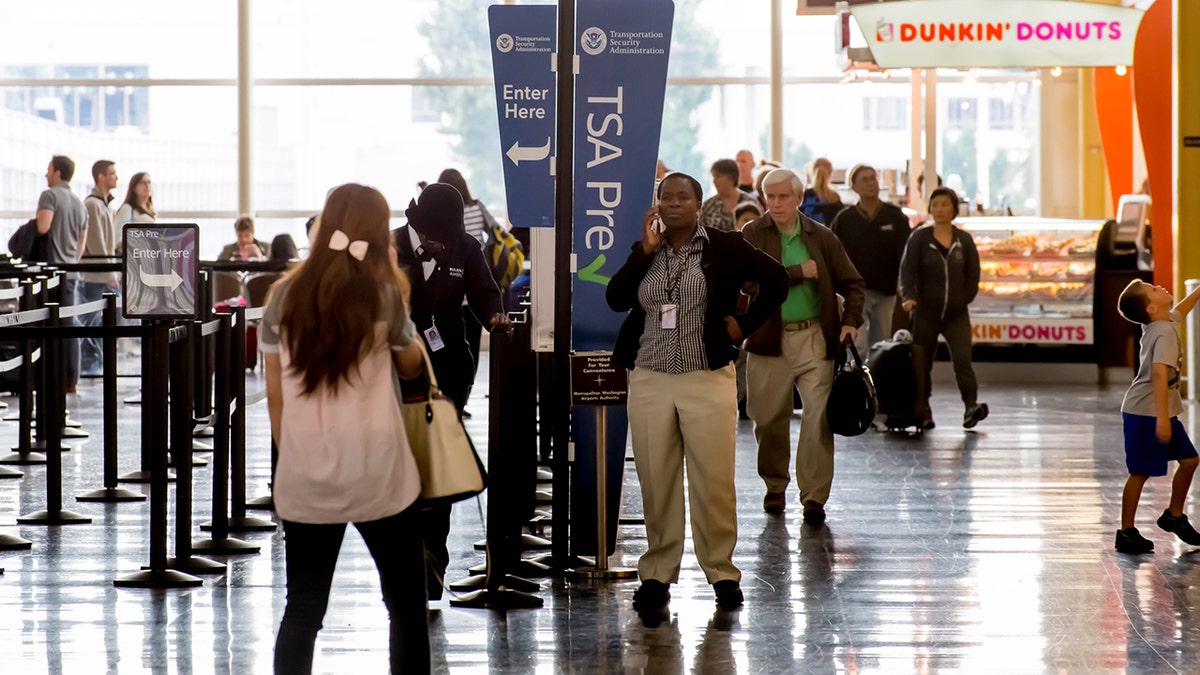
(161, 280)
(520, 154)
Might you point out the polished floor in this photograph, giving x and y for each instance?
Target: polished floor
(985, 551)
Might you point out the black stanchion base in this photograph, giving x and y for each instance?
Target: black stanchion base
(196, 565)
(509, 581)
(60, 517)
(72, 424)
(245, 524)
(197, 446)
(544, 476)
(203, 432)
(23, 458)
(501, 599)
(115, 494)
(41, 445)
(543, 497)
(226, 546)
(528, 543)
(266, 503)
(158, 579)
(11, 417)
(3, 405)
(6, 472)
(141, 477)
(136, 399)
(571, 562)
(529, 569)
(631, 521)
(69, 432)
(11, 542)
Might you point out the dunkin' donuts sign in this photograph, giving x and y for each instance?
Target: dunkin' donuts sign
(990, 34)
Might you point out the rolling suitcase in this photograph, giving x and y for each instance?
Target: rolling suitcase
(895, 368)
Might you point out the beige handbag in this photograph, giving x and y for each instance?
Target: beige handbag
(451, 470)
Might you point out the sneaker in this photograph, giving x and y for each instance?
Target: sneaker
(814, 513)
(1131, 541)
(1180, 526)
(729, 594)
(651, 596)
(976, 413)
(774, 502)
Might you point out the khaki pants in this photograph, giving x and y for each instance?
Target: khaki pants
(769, 382)
(676, 419)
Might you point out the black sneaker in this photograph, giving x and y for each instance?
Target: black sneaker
(1131, 541)
(729, 594)
(652, 596)
(1180, 527)
(975, 414)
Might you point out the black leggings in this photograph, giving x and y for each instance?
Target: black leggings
(956, 327)
(312, 551)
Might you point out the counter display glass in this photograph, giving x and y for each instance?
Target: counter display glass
(1037, 280)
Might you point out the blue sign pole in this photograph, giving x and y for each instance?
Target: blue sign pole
(623, 48)
(523, 39)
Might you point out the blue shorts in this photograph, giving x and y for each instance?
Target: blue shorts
(1144, 454)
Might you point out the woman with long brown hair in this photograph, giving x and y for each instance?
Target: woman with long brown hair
(138, 206)
(337, 329)
(821, 201)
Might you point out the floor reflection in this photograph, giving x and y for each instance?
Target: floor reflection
(964, 552)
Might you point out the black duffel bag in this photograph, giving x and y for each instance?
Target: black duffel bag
(851, 408)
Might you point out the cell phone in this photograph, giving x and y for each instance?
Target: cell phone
(657, 226)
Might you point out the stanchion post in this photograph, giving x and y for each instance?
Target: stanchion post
(23, 452)
(110, 492)
(155, 410)
(221, 542)
(602, 570)
(204, 361)
(52, 398)
(239, 521)
(182, 370)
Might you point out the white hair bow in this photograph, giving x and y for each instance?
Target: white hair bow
(338, 241)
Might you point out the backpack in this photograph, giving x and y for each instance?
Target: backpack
(851, 407)
(503, 252)
(27, 244)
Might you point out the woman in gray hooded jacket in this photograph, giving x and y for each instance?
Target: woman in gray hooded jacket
(939, 277)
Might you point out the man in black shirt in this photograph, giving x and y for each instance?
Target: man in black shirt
(873, 233)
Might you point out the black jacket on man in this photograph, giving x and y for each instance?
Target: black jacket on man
(461, 272)
(875, 245)
(728, 263)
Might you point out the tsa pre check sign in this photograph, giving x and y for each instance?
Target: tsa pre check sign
(161, 271)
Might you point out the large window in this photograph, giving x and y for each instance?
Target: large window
(391, 93)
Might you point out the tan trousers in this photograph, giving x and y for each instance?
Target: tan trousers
(676, 419)
(769, 382)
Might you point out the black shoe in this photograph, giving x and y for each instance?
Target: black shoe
(1131, 541)
(814, 513)
(742, 415)
(976, 413)
(729, 594)
(774, 502)
(653, 595)
(1180, 527)
(927, 424)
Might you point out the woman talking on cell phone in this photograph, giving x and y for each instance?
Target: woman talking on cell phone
(680, 287)
(336, 331)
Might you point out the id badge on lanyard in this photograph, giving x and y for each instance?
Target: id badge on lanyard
(434, 338)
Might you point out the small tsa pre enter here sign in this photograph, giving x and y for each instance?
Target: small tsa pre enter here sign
(161, 271)
(597, 381)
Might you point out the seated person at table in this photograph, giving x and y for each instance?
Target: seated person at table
(246, 247)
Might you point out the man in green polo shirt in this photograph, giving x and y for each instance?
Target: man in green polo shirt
(796, 348)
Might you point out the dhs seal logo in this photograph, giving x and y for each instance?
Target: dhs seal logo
(504, 43)
(593, 41)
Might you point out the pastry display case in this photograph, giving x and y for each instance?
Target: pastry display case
(1037, 280)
